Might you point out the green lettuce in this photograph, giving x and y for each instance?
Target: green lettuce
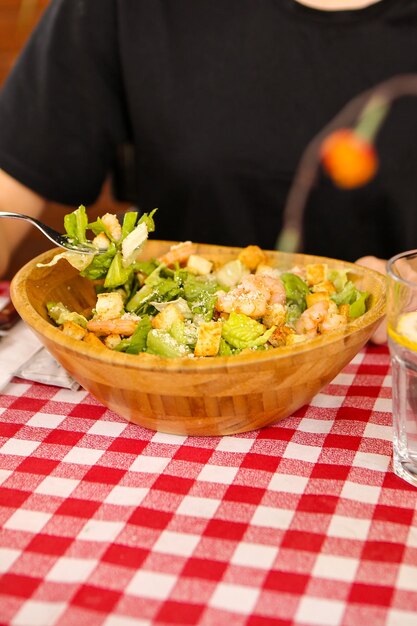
(76, 224)
(147, 218)
(138, 341)
(296, 291)
(241, 331)
(162, 343)
(201, 295)
(117, 274)
(100, 264)
(339, 278)
(352, 296)
(59, 313)
(231, 273)
(129, 222)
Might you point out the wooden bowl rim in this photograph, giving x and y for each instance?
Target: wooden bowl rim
(190, 364)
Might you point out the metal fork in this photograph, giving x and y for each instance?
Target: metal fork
(57, 238)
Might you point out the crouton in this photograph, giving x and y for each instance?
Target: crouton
(312, 298)
(109, 306)
(93, 340)
(167, 317)
(252, 256)
(280, 336)
(344, 310)
(208, 339)
(325, 285)
(316, 273)
(268, 270)
(274, 316)
(73, 330)
(294, 338)
(111, 341)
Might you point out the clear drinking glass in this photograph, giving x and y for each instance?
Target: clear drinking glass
(402, 341)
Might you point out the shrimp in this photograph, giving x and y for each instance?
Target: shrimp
(309, 321)
(124, 326)
(101, 241)
(178, 253)
(333, 320)
(113, 226)
(271, 285)
(321, 317)
(252, 303)
(252, 295)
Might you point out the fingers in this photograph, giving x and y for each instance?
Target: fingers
(373, 263)
(380, 336)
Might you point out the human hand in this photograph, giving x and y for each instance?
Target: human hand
(374, 263)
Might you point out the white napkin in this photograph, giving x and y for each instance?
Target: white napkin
(22, 355)
(43, 368)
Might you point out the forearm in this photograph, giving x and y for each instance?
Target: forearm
(4, 251)
(15, 197)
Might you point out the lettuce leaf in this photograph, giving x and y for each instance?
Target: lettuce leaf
(296, 290)
(163, 290)
(201, 295)
(76, 224)
(129, 222)
(339, 278)
(231, 273)
(138, 341)
(241, 331)
(59, 313)
(147, 218)
(352, 296)
(100, 264)
(225, 349)
(184, 332)
(358, 307)
(162, 343)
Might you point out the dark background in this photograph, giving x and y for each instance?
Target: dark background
(17, 20)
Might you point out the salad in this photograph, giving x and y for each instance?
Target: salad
(182, 304)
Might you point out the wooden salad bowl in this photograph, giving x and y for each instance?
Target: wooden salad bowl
(194, 396)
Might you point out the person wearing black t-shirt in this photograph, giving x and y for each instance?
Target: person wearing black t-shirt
(218, 101)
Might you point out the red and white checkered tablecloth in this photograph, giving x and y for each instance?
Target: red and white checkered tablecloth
(104, 523)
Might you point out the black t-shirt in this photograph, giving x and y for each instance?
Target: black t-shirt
(219, 99)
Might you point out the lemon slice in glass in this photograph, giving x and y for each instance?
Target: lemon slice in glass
(406, 330)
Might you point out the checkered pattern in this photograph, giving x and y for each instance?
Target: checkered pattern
(4, 294)
(302, 523)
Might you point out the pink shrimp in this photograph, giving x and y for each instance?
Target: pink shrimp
(120, 326)
(252, 303)
(309, 321)
(321, 317)
(178, 253)
(333, 322)
(272, 286)
(252, 296)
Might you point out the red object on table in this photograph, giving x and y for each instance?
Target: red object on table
(349, 159)
(302, 523)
